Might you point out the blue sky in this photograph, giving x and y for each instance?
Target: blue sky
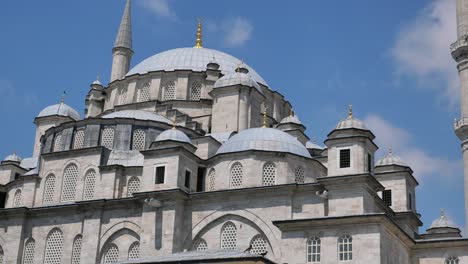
(389, 59)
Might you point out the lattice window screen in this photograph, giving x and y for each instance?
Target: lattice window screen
(133, 186)
(452, 260)
(269, 174)
(145, 92)
(229, 236)
(76, 251)
(79, 139)
(58, 142)
(17, 199)
(70, 176)
(200, 245)
(259, 245)
(195, 91)
(299, 175)
(169, 91)
(211, 180)
(89, 184)
(29, 248)
(54, 248)
(313, 250)
(107, 137)
(49, 190)
(139, 138)
(112, 254)
(236, 175)
(123, 96)
(134, 251)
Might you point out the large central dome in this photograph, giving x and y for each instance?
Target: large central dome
(194, 59)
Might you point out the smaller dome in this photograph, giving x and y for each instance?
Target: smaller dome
(61, 110)
(13, 157)
(291, 119)
(97, 82)
(236, 79)
(351, 122)
(313, 145)
(443, 222)
(391, 159)
(175, 135)
(139, 115)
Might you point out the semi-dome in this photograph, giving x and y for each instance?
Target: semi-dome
(195, 59)
(13, 158)
(391, 159)
(268, 139)
(175, 135)
(236, 79)
(61, 110)
(139, 115)
(291, 119)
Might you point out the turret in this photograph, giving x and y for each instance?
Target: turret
(122, 52)
(95, 99)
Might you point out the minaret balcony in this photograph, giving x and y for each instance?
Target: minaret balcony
(461, 128)
(459, 49)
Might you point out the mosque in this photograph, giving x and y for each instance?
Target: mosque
(191, 157)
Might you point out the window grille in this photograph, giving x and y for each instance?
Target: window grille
(133, 186)
(345, 158)
(229, 236)
(107, 137)
(345, 248)
(79, 139)
(76, 251)
(123, 96)
(1, 255)
(49, 189)
(145, 92)
(451, 260)
(299, 175)
(89, 184)
(54, 248)
(236, 175)
(195, 91)
(200, 245)
(70, 177)
(369, 162)
(313, 250)
(269, 174)
(160, 174)
(138, 139)
(188, 175)
(58, 142)
(134, 251)
(387, 197)
(29, 248)
(112, 254)
(211, 180)
(17, 199)
(169, 91)
(259, 245)
(410, 201)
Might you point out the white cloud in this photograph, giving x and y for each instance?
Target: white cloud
(422, 163)
(421, 49)
(236, 31)
(160, 8)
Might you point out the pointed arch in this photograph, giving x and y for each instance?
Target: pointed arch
(134, 251)
(133, 186)
(259, 245)
(269, 174)
(17, 198)
(169, 91)
(229, 236)
(54, 247)
(212, 180)
(236, 175)
(111, 255)
(49, 189)
(89, 184)
(29, 250)
(200, 245)
(70, 177)
(76, 250)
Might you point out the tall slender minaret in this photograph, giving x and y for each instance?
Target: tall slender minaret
(459, 51)
(122, 52)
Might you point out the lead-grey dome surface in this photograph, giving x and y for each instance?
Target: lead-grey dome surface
(291, 119)
(443, 222)
(391, 159)
(237, 78)
(351, 122)
(268, 139)
(175, 135)
(13, 157)
(139, 115)
(194, 59)
(60, 109)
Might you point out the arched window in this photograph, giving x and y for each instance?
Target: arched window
(70, 177)
(133, 186)
(313, 249)
(145, 92)
(229, 236)
(139, 138)
(345, 248)
(211, 180)
(123, 96)
(58, 142)
(451, 260)
(1, 255)
(17, 198)
(29, 248)
(236, 175)
(195, 91)
(259, 245)
(269, 174)
(54, 247)
(107, 137)
(134, 251)
(49, 189)
(299, 175)
(89, 183)
(112, 254)
(200, 245)
(169, 91)
(76, 250)
(79, 139)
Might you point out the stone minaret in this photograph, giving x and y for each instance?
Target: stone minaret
(459, 51)
(122, 52)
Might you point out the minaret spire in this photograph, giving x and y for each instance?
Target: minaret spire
(123, 45)
(199, 40)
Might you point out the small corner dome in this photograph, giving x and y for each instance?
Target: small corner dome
(13, 158)
(61, 109)
(174, 135)
(443, 222)
(97, 82)
(313, 145)
(351, 122)
(237, 78)
(391, 159)
(266, 139)
(291, 119)
(139, 115)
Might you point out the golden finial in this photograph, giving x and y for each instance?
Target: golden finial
(264, 115)
(390, 150)
(442, 213)
(63, 97)
(350, 112)
(199, 41)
